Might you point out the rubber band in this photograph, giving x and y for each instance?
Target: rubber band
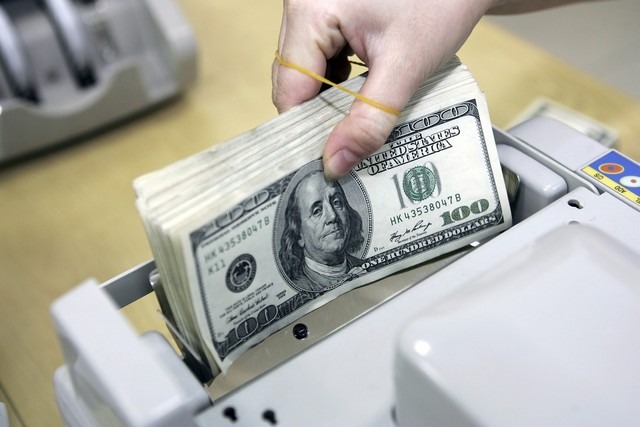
(337, 86)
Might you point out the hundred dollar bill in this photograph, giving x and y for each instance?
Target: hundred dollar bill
(302, 240)
(269, 240)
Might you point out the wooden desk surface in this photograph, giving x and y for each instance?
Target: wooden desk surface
(70, 215)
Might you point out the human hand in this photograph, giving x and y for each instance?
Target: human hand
(402, 42)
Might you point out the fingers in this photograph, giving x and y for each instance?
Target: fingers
(366, 128)
(401, 45)
(309, 37)
(358, 135)
(291, 87)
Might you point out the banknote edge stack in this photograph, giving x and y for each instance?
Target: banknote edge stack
(185, 196)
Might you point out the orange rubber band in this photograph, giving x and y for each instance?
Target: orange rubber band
(337, 86)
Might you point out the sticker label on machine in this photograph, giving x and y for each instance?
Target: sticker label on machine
(617, 172)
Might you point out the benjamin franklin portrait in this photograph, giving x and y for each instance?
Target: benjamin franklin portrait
(322, 233)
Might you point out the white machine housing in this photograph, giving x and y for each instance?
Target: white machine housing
(538, 326)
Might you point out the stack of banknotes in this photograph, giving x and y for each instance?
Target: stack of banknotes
(249, 236)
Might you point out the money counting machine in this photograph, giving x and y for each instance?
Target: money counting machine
(537, 326)
(69, 67)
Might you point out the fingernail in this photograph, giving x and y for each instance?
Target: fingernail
(340, 164)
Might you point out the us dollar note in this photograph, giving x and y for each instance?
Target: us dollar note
(248, 236)
(293, 245)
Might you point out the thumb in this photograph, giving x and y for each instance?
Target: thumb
(365, 129)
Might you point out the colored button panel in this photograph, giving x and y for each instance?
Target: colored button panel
(618, 173)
